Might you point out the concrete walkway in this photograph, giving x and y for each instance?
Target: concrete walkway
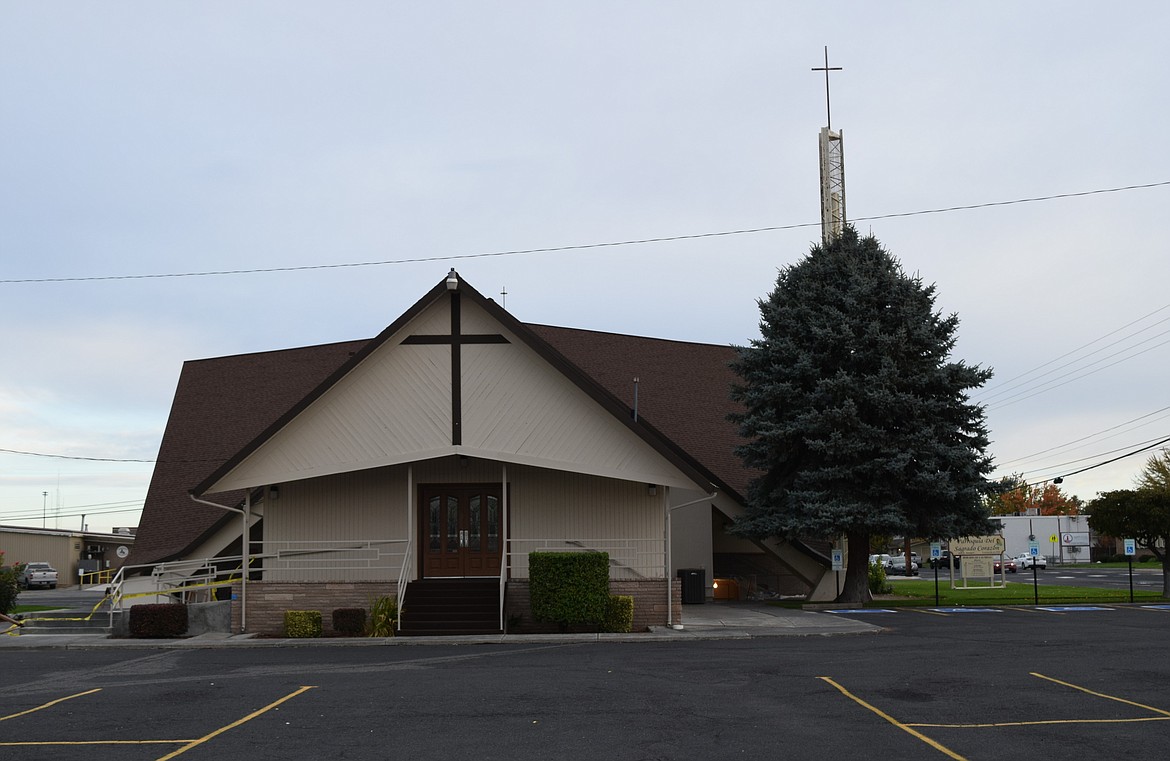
(709, 621)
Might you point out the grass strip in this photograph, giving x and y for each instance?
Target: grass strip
(1015, 593)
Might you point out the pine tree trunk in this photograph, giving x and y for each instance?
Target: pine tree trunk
(856, 586)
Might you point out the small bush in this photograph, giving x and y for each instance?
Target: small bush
(1147, 559)
(9, 586)
(877, 580)
(158, 620)
(349, 621)
(569, 588)
(619, 614)
(383, 617)
(302, 624)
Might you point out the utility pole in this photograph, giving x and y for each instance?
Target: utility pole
(44, 509)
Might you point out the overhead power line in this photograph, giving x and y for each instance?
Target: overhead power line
(98, 459)
(578, 247)
(1070, 444)
(1063, 476)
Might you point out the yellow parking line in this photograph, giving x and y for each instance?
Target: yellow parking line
(1038, 723)
(904, 727)
(93, 742)
(50, 703)
(1101, 694)
(234, 724)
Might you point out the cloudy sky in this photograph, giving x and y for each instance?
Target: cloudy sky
(145, 138)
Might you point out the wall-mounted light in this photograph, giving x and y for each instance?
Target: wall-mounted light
(274, 492)
(452, 280)
(652, 489)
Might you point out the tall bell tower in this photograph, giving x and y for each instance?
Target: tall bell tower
(832, 153)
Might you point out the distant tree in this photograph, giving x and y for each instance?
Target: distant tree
(1142, 514)
(1137, 515)
(1012, 495)
(852, 412)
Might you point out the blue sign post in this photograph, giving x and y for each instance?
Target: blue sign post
(1034, 551)
(1130, 551)
(936, 561)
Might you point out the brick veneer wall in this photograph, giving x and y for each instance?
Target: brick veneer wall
(649, 605)
(268, 600)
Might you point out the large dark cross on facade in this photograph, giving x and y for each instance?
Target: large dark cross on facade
(457, 339)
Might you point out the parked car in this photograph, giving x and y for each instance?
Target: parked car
(882, 560)
(913, 556)
(38, 575)
(1008, 565)
(1027, 561)
(898, 566)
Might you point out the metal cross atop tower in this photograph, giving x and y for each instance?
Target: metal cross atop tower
(832, 150)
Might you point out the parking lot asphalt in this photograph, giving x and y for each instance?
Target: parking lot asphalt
(1075, 682)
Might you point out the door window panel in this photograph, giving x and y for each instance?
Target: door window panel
(434, 536)
(473, 525)
(493, 524)
(452, 524)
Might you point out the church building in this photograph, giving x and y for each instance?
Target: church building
(428, 462)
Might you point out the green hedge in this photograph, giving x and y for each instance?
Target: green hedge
(302, 623)
(619, 614)
(158, 620)
(569, 588)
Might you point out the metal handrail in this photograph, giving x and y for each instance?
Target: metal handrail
(400, 590)
(637, 558)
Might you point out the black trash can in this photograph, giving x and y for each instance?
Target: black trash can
(694, 585)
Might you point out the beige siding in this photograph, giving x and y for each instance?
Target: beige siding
(396, 408)
(557, 511)
(59, 551)
(361, 517)
(519, 408)
(547, 510)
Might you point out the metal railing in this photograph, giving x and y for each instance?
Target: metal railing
(176, 581)
(403, 572)
(334, 559)
(628, 558)
(93, 578)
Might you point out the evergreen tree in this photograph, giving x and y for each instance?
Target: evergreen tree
(856, 419)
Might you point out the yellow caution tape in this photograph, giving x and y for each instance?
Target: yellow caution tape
(127, 597)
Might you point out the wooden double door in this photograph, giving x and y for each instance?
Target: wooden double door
(461, 530)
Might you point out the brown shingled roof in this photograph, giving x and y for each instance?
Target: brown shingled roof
(220, 405)
(223, 404)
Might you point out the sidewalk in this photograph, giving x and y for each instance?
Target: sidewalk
(710, 621)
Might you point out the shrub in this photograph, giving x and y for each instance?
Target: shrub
(1147, 559)
(619, 614)
(877, 580)
(9, 587)
(158, 620)
(383, 617)
(302, 623)
(349, 621)
(569, 588)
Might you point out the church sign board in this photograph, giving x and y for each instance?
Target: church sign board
(978, 545)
